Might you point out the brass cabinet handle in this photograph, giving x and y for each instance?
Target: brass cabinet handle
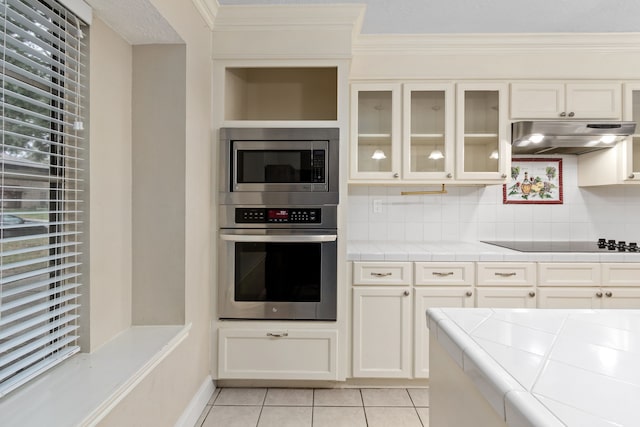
(442, 274)
(505, 274)
(277, 334)
(380, 274)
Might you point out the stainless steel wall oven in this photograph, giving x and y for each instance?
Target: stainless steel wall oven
(278, 224)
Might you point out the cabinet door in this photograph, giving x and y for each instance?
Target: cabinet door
(428, 297)
(537, 100)
(594, 100)
(427, 131)
(570, 297)
(506, 297)
(483, 151)
(277, 354)
(621, 298)
(631, 147)
(375, 123)
(382, 332)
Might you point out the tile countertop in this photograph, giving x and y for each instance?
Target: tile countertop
(549, 367)
(447, 251)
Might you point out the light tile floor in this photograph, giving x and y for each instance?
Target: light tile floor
(348, 407)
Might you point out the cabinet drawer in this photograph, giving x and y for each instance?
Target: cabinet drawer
(621, 274)
(445, 273)
(382, 273)
(568, 274)
(506, 274)
(277, 354)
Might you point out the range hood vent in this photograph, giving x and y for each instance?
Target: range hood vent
(567, 136)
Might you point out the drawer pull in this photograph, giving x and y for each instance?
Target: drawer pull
(381, 274)
(277, 334)
(505, 274)
(441, 274)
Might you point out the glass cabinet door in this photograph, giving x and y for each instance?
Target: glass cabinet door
(428, 119)
(483, 148)
(375, 123)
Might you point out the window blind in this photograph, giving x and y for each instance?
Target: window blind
(41, 177)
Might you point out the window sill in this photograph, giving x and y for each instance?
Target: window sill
(85, 388)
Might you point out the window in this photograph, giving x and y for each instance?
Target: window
(41, 170)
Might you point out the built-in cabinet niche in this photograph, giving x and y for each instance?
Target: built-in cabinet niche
(281, 93)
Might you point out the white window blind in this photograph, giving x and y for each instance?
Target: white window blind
(41, 75)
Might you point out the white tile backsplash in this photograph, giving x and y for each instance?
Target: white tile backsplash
(471, 213)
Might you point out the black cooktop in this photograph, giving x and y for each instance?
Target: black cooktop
(527, 246)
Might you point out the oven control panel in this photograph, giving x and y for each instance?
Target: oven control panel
(277, 216)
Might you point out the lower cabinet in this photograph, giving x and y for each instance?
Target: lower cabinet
(588, 297)
(428, 297)
(506, 297)
(506, 285)
(287, 354)
(382, 332)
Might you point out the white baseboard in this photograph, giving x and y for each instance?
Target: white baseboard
(197, 404)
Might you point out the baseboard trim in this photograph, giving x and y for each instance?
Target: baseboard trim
(197, 404)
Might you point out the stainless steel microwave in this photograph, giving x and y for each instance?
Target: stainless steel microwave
(279, 165)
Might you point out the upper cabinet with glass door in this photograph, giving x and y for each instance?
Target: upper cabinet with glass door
(428, 126)
(483, 151)
(375, 124)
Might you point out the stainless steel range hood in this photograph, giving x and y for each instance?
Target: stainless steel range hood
(567, 136)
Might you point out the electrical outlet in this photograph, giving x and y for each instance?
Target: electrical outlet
(377, 206)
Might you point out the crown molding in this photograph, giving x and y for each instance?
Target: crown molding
(455, 44)
(208, 9)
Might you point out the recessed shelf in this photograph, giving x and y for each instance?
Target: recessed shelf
(281, 93)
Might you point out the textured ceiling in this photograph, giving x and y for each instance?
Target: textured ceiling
(137, 21)
(488, 16)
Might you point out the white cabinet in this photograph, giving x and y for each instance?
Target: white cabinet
(558, 100)
(589, 285)
(483, 150)
(406, 133)
(277, 353)
(620, 164)
(506, 285)
(382, 332)
(375, 126)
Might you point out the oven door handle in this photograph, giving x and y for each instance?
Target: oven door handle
(279, 238)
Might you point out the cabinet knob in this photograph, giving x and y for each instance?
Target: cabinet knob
(609, 294)
(631, 176)
(449, 175)
(532, 294)
(504, 175)
(396, 175)
(571, 114)
(563, 114)
(599, 294)
(469, 293)
(406, 293)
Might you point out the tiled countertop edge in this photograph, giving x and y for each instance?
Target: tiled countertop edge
(507, 397)
(467, 251)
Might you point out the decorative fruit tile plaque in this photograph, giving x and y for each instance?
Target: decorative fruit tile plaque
(534, 180)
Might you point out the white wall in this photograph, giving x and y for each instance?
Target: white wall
(478, 213)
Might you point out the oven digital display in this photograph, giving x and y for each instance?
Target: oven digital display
(281, 214)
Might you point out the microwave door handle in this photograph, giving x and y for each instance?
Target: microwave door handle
(279, 238)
